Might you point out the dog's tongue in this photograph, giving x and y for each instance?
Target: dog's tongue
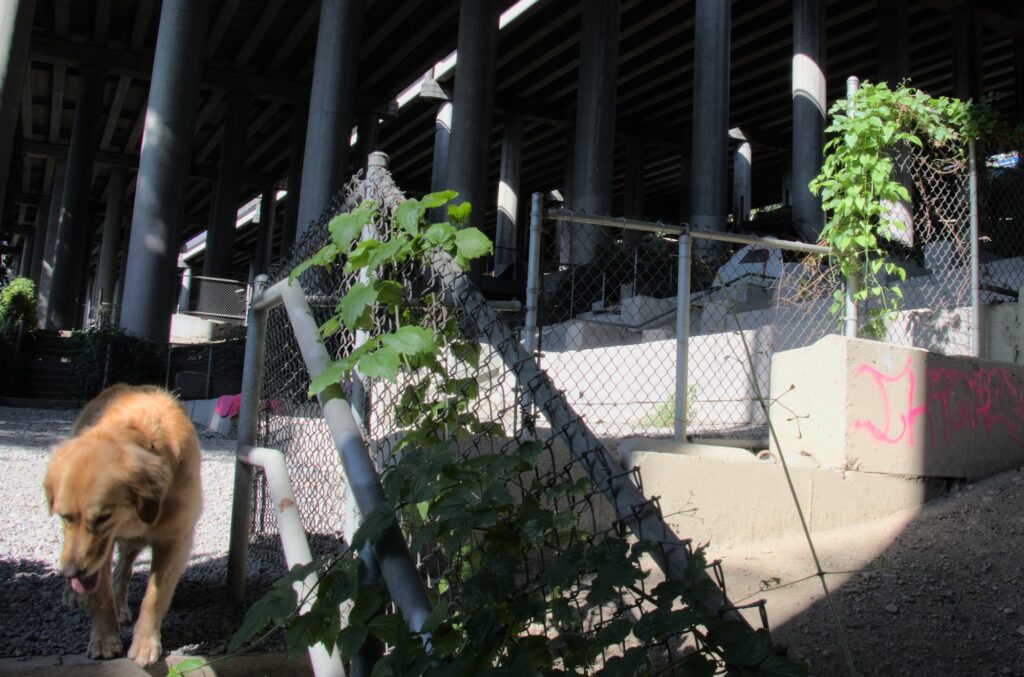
(85, 585)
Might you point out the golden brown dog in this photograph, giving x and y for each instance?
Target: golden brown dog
(129, 474)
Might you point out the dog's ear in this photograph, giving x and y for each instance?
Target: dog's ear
(51, 479)
(149, 477)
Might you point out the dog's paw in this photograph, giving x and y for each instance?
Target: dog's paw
(145, 649)
(124, 612)
(105, 645)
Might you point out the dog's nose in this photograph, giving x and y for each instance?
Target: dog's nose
(72, 571)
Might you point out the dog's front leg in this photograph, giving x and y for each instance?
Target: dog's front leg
(169, 559)
(127, 551)
(104, 637)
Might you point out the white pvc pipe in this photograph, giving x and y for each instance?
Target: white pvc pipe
(293, 541)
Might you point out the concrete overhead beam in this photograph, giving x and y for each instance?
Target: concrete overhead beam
(43, 149)
(140, 65)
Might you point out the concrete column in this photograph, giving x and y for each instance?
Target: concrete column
(966, 53)
(39, 240)
(893, 48)
(563, 229)
(369, 137)
(331, 108)
(710, 160)
(595, 122)
(439, 168)
(472, 105)
(294, 187)
(185, 291)
(1018, 76)
(265, 231)
(163, 167)
(741, 183)
(106, 269)
(74, 227)
(220, 234)
(15, 29)
(46, 266)
(506, 233)
(809, 108)
(25, 260)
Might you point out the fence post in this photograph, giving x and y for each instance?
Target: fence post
(209, 370)
(682, 335)
(851, 312)
(976, 328)
(248, 424)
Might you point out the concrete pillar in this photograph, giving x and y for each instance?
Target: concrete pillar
(39, 240)
(506, 233)
(220, 234)
(261, 254)
(710, 159)
(595, 122)
(439, 168)
(294, 187)
(369, 137)
(893, 48)
(24, 261)
(106, 269)
(163, 167)
(74, 228)
(472, 105)
(15, 29)
(331, 108)
(809, 108)
(563, 229)
(46, 266)
(1018, 76)
(966, 53)
(185, 291)
(742, 190)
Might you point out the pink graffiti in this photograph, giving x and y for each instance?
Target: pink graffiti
(907, 413)
(953, 400)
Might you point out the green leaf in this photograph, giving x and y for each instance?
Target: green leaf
(741, 646)
(408, 215)
(459, 213)
(381, 363)
(273, 608)
(181, 668)
(346, 228)
(357, 304)
(471, 243)
(389, 292)
(439, 199)
(411, 340)
(374, 524)
(328, 377)
(350, 639)
(440, 234)
(782, 666)
(331, 327)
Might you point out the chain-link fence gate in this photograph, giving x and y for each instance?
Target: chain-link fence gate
(607, 499)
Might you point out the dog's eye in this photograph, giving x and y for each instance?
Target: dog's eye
(100, 519)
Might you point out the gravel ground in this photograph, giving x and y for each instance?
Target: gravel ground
(33, 619)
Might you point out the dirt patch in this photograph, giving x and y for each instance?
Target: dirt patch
(937, 591)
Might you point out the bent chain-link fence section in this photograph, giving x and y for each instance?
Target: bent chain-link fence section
(607, 499)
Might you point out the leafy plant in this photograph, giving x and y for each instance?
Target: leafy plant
(856, 183)
(17, 306)
(518, 586)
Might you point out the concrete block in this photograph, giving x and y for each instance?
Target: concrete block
(190, 328)
(203, 412)
(874, 407)
(628, 447)
(725, 502)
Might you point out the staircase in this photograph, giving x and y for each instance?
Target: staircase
(44, 370)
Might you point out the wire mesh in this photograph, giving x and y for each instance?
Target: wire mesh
(1001, 226)
(290, 422)
(217, 299)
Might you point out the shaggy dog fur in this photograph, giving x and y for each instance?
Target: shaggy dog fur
(128, 475)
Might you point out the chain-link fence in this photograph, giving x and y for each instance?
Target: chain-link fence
(1001, 226)
(215, 298)
(606, 499)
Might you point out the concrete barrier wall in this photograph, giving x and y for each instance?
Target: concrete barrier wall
(874, 407)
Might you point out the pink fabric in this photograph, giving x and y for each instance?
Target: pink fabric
(228, 405)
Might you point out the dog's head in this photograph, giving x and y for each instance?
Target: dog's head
(102, 487)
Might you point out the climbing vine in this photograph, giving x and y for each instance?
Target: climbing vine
(857, 185)
(519, 581)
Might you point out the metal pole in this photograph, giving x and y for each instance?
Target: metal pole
(682, 335)
(852, 312)
(209, 370)
(396, 564)
(976, 328)
(248, 425)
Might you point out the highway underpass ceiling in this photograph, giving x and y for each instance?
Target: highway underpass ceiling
(267, 46)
